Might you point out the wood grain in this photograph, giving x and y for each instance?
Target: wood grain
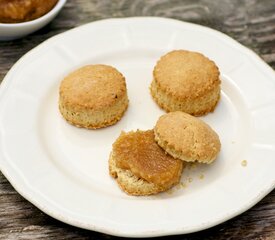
(251, 22)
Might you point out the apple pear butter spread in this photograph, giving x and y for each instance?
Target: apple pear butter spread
(16, 11)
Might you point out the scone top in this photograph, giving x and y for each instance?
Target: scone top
(94, 87)
(185, 74)
(187, 138)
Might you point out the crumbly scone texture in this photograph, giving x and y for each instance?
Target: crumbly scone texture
(130, 183)
(196, 107)
(186, 81)
(187, 138)
(93, 96)
(16, 11)
(90, 119)
(140, 166)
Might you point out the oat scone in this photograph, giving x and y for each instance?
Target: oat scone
(186, 81)
(93, 96)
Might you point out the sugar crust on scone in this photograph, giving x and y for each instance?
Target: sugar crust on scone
(93, 96)
(186, 81)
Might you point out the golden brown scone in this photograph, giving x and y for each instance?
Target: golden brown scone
(93, 96)
(16, 11)
(140, 166)
(187, 138)
(186, 81)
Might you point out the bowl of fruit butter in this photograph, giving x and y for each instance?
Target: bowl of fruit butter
(19, 18)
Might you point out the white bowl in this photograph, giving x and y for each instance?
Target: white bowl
(10, 31)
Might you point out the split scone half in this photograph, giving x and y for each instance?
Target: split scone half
(187, 138)
(140, 166)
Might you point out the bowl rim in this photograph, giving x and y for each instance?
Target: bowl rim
(55, 9)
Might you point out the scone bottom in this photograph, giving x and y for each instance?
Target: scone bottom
(140, 166)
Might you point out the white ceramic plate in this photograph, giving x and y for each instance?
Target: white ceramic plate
(63, 170)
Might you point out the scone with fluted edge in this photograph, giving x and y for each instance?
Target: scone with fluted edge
(186, 81)
(93, 96)
(187, 138)
(140, 166)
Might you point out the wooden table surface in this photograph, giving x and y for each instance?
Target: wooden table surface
(251, 22)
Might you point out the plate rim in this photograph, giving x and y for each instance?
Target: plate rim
(26, 192)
